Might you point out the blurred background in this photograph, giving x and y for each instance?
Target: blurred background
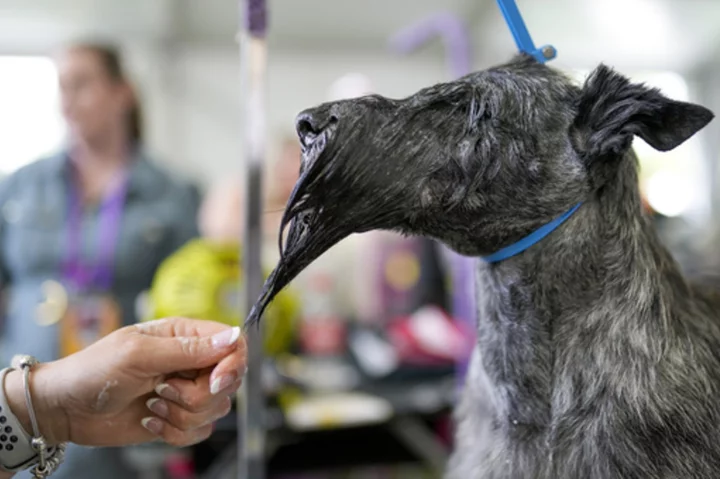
(366, 350)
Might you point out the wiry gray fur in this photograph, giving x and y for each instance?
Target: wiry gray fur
(596, 359)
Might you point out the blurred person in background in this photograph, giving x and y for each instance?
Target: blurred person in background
(82, 231)
(281, 176)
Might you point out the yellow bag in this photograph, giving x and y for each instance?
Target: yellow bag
(202, 280)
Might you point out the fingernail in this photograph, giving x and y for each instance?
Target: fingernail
(168, 392)
(158, 406)
(226, 338)
(152, 424)
(221, 383)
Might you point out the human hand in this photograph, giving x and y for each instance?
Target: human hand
(168, 379)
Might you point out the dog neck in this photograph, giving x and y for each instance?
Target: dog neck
(563, 314)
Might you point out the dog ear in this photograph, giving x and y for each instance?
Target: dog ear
(611, 110)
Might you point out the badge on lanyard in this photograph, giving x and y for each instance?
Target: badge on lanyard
(89, 310)
(87, 318)
(52, 309)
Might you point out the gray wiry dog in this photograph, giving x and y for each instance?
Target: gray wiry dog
(596, 359)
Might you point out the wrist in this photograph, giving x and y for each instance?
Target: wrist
(51, 418)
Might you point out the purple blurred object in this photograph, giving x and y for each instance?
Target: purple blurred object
(453, 31)
(396, 301)
(450, 28)
(462, 270)
(256, 18)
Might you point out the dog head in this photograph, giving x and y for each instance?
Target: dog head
(475, 163)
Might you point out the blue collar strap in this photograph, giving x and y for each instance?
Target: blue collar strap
(534, 237)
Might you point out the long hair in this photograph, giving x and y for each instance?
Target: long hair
(111, 60)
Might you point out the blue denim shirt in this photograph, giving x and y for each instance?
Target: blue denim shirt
(159, 217)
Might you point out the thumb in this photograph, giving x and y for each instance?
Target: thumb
(167, 355)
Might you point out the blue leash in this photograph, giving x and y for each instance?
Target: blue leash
(524, 42)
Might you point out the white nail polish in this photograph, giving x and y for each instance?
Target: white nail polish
(226, 338)
(221, 383)
(235, 334)
(215, 386)
(160, 388)
(152, 424)
(158, 406)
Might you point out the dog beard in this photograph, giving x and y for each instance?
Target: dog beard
(341, 191)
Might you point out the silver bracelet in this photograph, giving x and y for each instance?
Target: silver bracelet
(20, 450)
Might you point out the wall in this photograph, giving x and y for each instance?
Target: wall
(705, 81)
(204, 98)
(192, 96)
(200, 131)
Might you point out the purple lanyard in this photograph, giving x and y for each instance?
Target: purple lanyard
(79, 275)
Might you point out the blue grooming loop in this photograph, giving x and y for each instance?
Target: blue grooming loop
(520, 32)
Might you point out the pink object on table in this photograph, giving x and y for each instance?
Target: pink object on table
(430, 337)
(180, 467)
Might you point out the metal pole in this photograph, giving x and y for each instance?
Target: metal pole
(253, 60)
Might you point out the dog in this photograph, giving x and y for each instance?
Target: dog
(595, 357)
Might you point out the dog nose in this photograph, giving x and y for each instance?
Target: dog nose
(311, 123)
(306, 128)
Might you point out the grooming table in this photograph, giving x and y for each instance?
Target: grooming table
(414, 399)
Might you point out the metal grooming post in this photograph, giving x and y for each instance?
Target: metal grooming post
(251, 400)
